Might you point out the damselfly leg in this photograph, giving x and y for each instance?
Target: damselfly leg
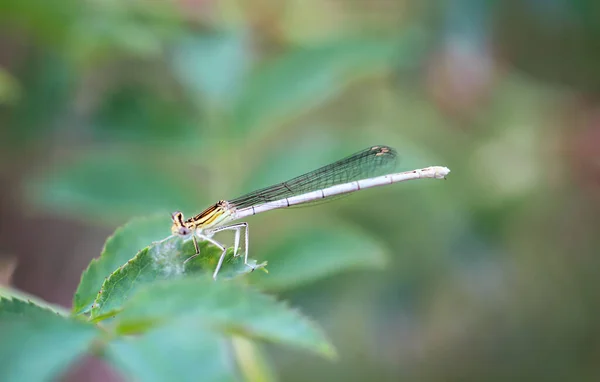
(208, 237)
(197, 248)
(237, 228)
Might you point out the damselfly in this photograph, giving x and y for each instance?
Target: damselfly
(368, 168)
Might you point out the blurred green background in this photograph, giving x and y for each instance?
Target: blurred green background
(111, 109)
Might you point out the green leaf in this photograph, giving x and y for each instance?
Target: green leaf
(38, 344)
(111, 187)
(181, 351)
(160, 261)
(231, 306)
(123, 245)
(305, 78)
(311, 254)
(10, 294)
(14, 308)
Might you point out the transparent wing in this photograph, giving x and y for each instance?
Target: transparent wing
(368, 163)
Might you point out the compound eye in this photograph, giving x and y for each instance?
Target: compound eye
(184, 231)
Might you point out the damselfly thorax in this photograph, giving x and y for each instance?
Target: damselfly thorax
(213, 216)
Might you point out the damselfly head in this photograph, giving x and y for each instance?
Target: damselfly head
(179, 227)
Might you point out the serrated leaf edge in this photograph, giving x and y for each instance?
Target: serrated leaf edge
(93, 263)
(32, 300)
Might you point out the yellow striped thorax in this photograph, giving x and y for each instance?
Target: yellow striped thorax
(213, 216)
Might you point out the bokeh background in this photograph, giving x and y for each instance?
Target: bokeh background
(111, 109)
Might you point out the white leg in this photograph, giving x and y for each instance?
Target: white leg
(195, 247)
(247, 234)
(221, 247)
(237, 227)
(234, 227)
(223, 253)
(236, 242)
